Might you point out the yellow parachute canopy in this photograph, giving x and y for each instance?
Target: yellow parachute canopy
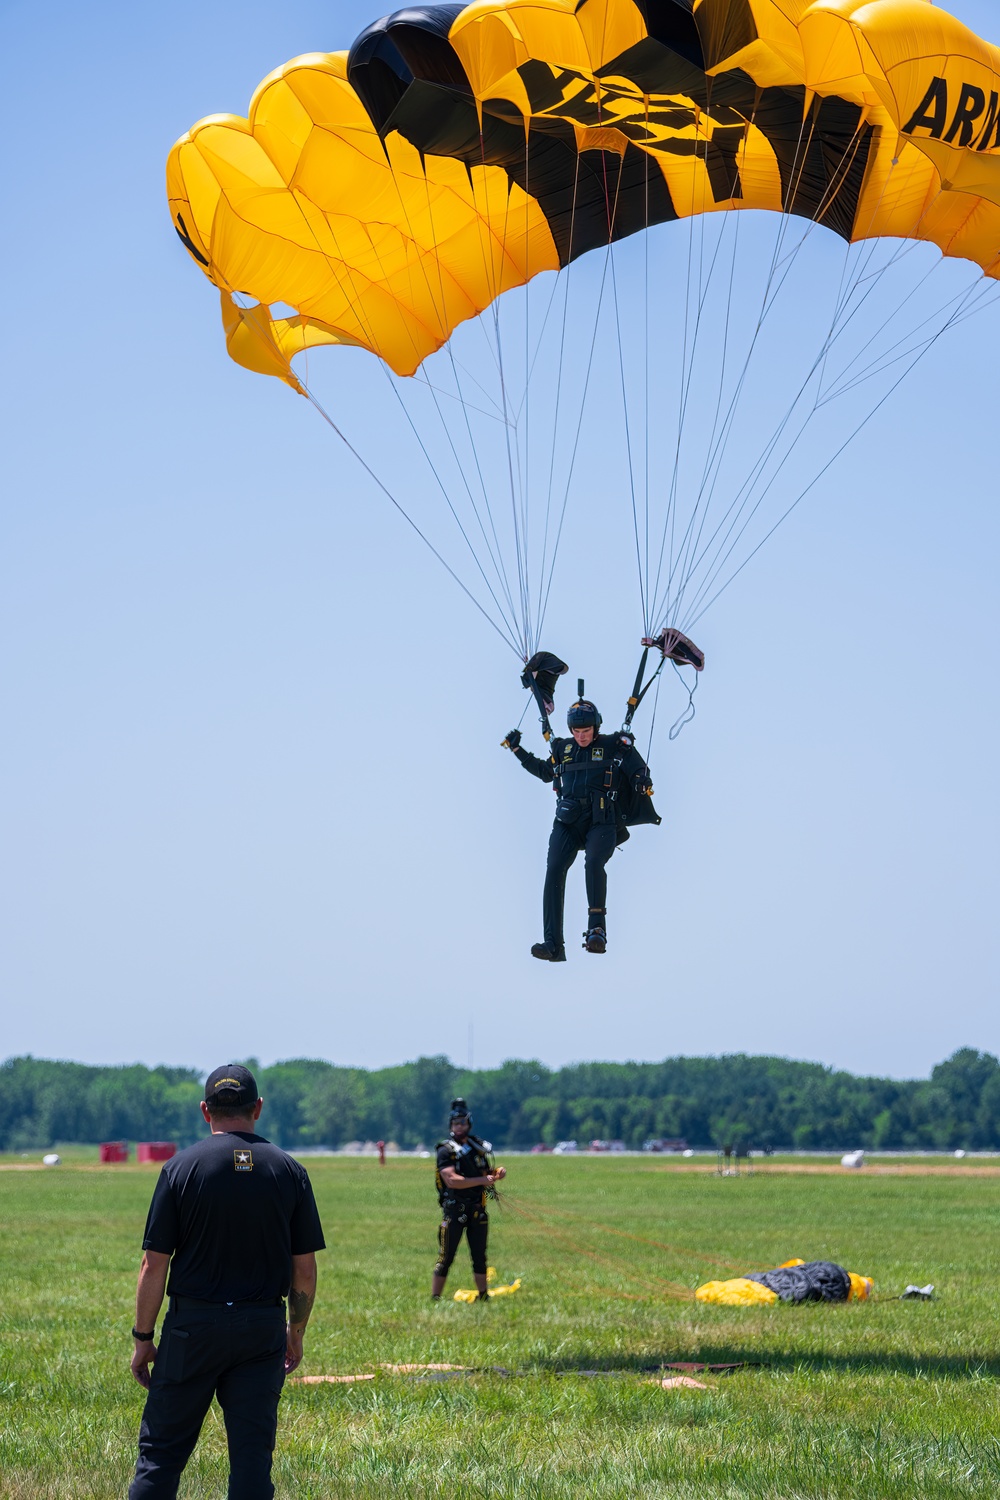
(385, 195)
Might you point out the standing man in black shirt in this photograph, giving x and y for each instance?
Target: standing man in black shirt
(463, 1177)
(234, 1220)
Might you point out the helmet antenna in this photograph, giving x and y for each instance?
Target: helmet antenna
(579, 687)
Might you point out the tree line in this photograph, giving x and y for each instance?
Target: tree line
(755, 1102)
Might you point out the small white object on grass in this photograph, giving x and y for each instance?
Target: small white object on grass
(853, 1159)
(689, 1152)
(52, 1160)
(959, 1154)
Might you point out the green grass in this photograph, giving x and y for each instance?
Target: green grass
(873, 1402)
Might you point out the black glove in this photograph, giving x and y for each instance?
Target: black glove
(513, 739)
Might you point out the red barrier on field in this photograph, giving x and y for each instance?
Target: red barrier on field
(112, 1151)
(155, 1150)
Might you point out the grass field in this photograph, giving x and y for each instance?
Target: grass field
(891, 1399)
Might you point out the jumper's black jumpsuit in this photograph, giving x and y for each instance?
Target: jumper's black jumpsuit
(462, 1208)
(590, 815)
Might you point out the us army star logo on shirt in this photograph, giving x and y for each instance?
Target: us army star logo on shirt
(243, 1160)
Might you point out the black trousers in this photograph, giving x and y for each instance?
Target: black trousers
(476, 1224)
(597, 840)
(234, 1353)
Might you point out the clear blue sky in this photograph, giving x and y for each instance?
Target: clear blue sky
(244, 809)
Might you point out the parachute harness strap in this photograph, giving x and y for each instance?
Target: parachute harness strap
(638, 691)
(539, 698)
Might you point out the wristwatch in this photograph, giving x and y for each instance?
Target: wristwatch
(144, 1338)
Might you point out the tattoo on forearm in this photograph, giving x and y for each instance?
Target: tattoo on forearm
(299, 1306)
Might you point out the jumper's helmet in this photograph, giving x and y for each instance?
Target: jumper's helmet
(459, 1111)
(583, 715)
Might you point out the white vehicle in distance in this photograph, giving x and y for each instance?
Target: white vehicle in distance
(564, 1148)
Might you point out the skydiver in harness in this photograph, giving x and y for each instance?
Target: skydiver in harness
(602, 786)
(589, 772)
(465, 1178)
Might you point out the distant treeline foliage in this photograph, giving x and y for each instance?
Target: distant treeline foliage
(756, 1102)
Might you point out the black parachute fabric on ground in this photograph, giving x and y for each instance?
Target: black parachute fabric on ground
(816, 1281)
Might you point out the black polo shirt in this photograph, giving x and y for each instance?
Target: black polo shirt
(232, 1211)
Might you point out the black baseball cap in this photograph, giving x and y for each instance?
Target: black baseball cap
(231, 1085)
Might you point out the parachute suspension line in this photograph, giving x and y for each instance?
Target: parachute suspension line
(590, 365)
(883, 361)
(524, 630)
(695, 555)
(512, 480)
(645, 396)
(951, 322)
(669, 526)
(726, 334)
(509, 622)
(621, 366)
(409, 519)
(525, 406)
(482, 485)
(503, 630)
(744, 494)
(558, 398)
(725, 338)
(670, 518)
(687, 376)
(357, 301)
(874, 367)
(717, 455)
(579, 430)
(681, 564)
(496, 557)
(539, 342)
(858, 277)
(646, 624)
(440, 311)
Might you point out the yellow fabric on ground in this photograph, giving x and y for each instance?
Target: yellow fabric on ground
(736, 1293)
(466, 1294)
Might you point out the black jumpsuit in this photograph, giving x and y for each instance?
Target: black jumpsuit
(590, 781)
(462, 1208)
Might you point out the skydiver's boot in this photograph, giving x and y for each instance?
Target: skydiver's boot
(595, 939)
(554, 952)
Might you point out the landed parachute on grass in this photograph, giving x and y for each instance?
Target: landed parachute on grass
(382, 198)
(792, 1281)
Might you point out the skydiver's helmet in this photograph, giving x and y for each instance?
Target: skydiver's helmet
(459, 1111)
(583, 715)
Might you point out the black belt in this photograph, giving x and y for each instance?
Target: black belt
(196, 1304)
